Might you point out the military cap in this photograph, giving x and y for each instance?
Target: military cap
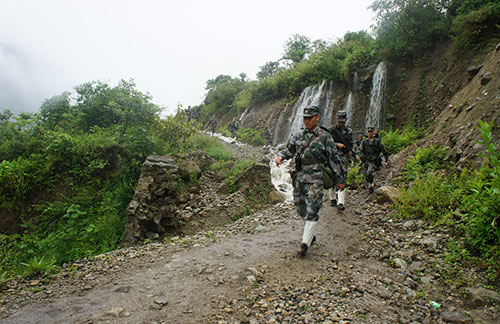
(311, 111)
(342, 116)
(370, 129)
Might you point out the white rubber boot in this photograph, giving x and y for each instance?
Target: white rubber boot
(341, 199)
(333, 197)
(309, 232)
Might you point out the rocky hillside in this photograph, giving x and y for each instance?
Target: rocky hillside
(444, 92)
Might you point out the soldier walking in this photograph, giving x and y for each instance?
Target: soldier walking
(371, 148)
(342, 135)
(309, 146)
(212, 124)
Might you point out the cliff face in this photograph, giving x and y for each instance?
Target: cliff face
(444, 92)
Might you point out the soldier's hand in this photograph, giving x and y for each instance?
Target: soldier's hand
(340, 145)
(341, 186)
(278, 160)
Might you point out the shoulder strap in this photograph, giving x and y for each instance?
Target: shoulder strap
(307, 145)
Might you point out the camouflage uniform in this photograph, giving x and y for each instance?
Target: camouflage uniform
(212, 123)
(308, 190)
(369, 152)
(346, 133)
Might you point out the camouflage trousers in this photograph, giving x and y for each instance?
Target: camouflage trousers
(344, 160)
(308, 198)
(368, 171)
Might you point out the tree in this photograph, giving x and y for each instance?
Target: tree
(407, 28)
(220, 79)
(56, 109)
(297, 48)
(104, 106)
(268, 69)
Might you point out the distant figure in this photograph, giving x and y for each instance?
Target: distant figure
(269, 136)
(342, 135)
(309, 146)
(212, 124)
(357, 144)
(371, 148)
(377, 133)
(189, 113)
(195, 116)
(233, 127)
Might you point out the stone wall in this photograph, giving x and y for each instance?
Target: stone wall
(152, 210)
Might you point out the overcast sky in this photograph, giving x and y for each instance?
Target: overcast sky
(170, 48)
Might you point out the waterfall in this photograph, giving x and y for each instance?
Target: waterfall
(374, 113)
(355, 83)
(312, 95)
(348, 108)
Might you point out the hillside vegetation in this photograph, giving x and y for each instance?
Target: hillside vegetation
(68, 172)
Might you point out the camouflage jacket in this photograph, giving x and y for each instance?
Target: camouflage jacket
(322, 149)
(346, 133)
(371, 150)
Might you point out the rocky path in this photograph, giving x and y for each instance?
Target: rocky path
(365, 268)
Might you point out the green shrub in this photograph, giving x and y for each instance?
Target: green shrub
(210, 145)
(250, 136)
(354, 175)
(473, 29)
(424, 161)
(482, 202)
(395, 141)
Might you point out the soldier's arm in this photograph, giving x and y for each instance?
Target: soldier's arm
(384, 151)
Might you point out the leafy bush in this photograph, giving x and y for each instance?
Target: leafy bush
(472, 28)
(469, 203)
(425, 161)
(354, 175)
(250, 136)
(210, 145)
(482, 202)
(395, 141)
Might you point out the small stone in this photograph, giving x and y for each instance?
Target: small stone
(114, 311)
(161, 301)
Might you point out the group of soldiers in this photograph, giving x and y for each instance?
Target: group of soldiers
(314, 145)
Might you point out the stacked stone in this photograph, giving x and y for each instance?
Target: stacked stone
(152, 210)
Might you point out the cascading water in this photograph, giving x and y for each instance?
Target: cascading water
(312, 95)
(317, 95)
(348, 108)
(374, 113)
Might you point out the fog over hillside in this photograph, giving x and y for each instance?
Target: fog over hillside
(24, 80)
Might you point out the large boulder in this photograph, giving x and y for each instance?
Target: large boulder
(387, 194)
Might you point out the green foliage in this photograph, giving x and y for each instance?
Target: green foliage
(175, 131)
(250, 136)
(431, 196)
(39, 266)
(210, 145)
(354, 174)
(426, 160)
(482, 203)
(395, 141)
(476, 25)
(409, 28)
(68, 173)
(470, 203)
(268, 69)
(297, 48)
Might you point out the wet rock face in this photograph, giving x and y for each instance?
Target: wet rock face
(152, 210)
